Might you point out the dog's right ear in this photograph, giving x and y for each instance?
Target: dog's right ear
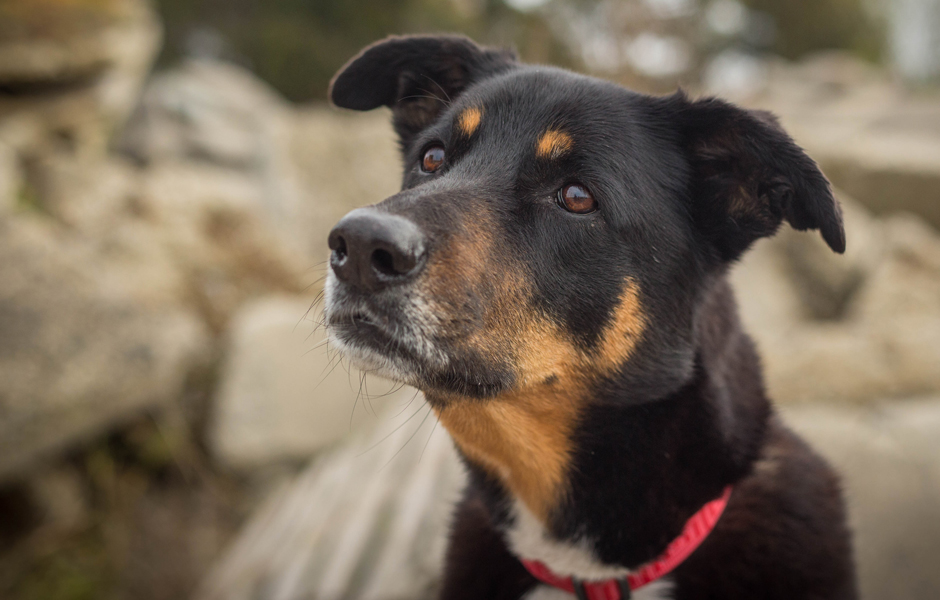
(416, 76)
(748, 176)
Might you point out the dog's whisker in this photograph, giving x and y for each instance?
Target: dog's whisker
(405, 422)
(411, 437)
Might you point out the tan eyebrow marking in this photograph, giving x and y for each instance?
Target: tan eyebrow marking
(553, 144)
(469, 120)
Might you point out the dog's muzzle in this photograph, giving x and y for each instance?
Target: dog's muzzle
(374, 312)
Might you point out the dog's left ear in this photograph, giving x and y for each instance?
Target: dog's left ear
(416, 76)
(748, 175)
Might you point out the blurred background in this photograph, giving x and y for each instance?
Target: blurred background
(172, 424)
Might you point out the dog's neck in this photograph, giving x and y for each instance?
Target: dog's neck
(638, 470)
(647, 468)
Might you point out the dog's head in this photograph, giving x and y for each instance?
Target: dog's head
(554, 232)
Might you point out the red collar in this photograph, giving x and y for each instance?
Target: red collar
(694, 533)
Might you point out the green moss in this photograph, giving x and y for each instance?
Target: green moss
(805, 26)
(27, 199)
(61, 582)
(57, 19)
(154, 448)
(79, 571)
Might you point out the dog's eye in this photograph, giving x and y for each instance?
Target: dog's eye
(433, 159)
(576, 198)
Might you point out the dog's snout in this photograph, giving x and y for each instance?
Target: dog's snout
(373, 249)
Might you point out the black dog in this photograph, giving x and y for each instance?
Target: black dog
(553, 277)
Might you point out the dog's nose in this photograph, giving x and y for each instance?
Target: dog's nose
(373, 249)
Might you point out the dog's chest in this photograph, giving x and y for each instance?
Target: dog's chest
(528, 539)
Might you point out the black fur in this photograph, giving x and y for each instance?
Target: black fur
(684, 187)
(415, 77)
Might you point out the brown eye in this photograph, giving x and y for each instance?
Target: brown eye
(433, 159)
(575, 198)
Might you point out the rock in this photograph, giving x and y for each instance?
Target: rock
(203, 228)
(78, 350)
(45, 41)
(889, 458)
(825, 281)
(309, 165)
(367, 521)
(222, 116)
(768, 301)
(76, 69)
(206, 110)
(344, 160)
(211, 222)
(171, 251)
(853, 328)
(124, 277)
(889, 172)
(282, 394)
(907, 280)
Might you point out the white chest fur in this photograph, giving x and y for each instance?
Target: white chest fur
(528, 538)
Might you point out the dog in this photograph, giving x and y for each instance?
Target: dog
(553, 278)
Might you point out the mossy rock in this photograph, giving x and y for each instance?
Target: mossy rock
(61, 40)
(58, 19)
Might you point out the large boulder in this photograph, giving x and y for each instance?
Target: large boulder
(160, 256)
(79, 349)
(889, 458)
(308, 166)
(76, 69)
(283, 395)
(209, 111)
(214, 115)
(48, 41)
(857, 327)
(205, 229)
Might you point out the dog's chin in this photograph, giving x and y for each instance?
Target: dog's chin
(372, 360)
(441, 377)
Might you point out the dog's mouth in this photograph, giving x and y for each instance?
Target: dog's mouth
(377, 343)
(397, 342)
(362, 328)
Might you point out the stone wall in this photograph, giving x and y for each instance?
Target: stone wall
(154, 229)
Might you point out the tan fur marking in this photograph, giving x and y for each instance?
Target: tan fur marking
(469, 120)
(624, 331)
(523, 436)
(459, 265)
(553, 144)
